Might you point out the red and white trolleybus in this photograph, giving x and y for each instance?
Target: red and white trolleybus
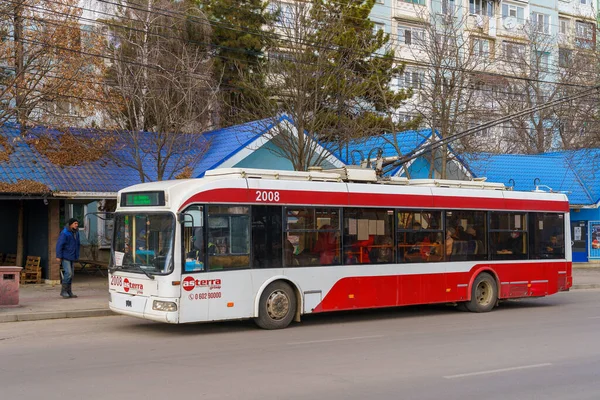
(274, 245)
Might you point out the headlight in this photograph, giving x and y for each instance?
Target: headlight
(158, 305)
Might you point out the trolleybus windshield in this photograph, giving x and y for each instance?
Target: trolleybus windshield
(143, 242)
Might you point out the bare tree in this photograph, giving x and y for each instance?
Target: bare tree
(544, 72)
(578, 120)
(451, 58)
(51, 66)
(330, 72)
(160, 85)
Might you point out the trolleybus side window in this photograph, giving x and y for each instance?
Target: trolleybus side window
(228, 244)
(508, 235)
(467, 232)
(547, 235)
(315, 235)
(368, 236)
(420, 236)
(267, 248)
(193, 239)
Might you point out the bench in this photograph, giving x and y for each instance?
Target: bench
(95, 266)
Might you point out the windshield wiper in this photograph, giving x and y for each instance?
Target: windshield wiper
(139, 267)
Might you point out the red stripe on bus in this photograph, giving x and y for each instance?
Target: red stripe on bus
(302, 197)
(250, 196)
(527, 279)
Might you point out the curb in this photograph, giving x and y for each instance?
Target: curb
(103, 312)
(586, 286)
(33, 316)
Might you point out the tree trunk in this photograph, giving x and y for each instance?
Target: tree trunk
(20, 236)
(19, 62)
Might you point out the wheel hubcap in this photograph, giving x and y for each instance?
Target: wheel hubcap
(278, 305)
(484, 293)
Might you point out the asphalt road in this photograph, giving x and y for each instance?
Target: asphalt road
(536, 349)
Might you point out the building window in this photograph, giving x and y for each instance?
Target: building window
(563, 26)
(419, 2)
(481, 47)
(378, 26)
(481, 7)
(564, 57)
(543, 61)
(411, 79)
(513, 51)
(409, 35)
(62, 107)
(541, 23)
(513, 11)
(78, 211)
(584, 34)
(448, 7)
(284, 13)
(404, 117)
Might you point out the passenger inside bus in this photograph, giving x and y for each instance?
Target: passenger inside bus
(326, 246)
(449, 241)
(384, 251)
(554, 247)
(362, 248)
(141, 240)
(509, 245)
(195, 257)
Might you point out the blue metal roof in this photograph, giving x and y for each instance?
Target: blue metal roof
(26, 163)
(111, 175)
(105, 175)
(572, 172)
(226, 142)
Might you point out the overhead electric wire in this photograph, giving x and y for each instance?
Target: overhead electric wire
(181, 16)
(445, 141)
(141, 64)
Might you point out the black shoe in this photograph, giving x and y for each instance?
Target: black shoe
(70, 293)
(63, 291)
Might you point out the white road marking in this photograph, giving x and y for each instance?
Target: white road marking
(338, 340)
(496, 371)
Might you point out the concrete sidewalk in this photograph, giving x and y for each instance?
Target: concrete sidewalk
(39, 302)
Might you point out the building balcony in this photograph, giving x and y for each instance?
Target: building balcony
(410, 10)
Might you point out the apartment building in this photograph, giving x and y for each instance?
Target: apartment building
(506, 38)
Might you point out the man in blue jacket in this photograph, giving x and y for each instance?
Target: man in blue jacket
(67, 251)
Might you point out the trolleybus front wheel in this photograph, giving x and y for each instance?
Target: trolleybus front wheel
(277, 306)
(484, 294)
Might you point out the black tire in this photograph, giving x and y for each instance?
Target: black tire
(484, 294)
(277, 306)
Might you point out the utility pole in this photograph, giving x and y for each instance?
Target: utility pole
(19, 62)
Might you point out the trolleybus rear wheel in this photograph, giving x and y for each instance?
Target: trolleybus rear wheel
(277, 306)
(484, 294)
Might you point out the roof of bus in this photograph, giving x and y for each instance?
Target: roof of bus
(227, 182)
